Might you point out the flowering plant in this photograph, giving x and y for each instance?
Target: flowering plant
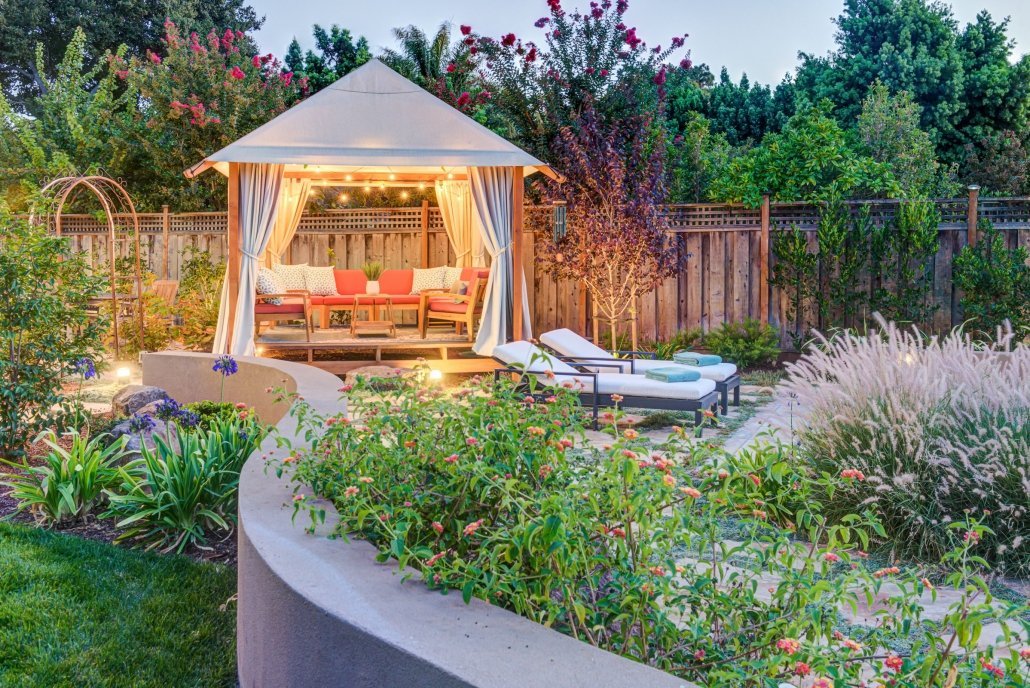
(225, 365)
(657, 551)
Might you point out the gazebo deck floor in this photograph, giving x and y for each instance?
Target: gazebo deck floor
(336, 350)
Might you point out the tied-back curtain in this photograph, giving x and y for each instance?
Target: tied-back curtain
(293, 198)
(260, 186)
(455, 200)
(492, 205)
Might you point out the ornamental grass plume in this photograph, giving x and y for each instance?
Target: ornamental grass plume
(937, 426)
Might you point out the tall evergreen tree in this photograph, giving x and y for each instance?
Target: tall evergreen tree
(336, 54)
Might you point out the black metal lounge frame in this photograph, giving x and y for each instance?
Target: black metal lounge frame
(732, 383)
(596, 399)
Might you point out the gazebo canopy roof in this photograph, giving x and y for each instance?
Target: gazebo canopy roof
(373, 122)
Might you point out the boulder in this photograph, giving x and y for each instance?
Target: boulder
(131, 398)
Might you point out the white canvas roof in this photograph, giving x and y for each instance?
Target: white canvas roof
(373, 120)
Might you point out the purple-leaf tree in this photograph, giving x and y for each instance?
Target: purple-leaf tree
(617, 242)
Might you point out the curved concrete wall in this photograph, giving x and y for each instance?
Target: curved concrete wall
(316, 612)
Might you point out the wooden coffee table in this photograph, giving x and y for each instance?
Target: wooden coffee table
(374, 322)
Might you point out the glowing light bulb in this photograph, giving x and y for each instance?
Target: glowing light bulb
(349, 177)
(421, 186)
(382, 187)
(404, 195)
(344, 198)
(450, 175)
(368, 189)
(393, 177)
(259, 350)
(435, 375)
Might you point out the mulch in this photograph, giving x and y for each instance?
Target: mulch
(220, 551)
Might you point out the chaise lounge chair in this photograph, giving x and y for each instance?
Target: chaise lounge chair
(596, 388)
(573, 348)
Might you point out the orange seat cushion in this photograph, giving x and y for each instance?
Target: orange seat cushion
(396, 281)
(337, 300)
(447, 306)
(350, 281)
(282, 309)
(401, 299)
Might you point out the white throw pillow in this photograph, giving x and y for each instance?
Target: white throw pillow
(451, 275)
(320, 281)
(269, 283)
(291, 275)
(428, 279)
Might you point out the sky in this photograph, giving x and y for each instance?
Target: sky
(759, 37)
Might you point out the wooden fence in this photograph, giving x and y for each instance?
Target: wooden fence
(723, 253)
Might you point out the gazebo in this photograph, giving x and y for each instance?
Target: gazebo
(374, 127)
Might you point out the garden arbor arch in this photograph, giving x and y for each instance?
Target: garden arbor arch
(373, 127)
(119, 212)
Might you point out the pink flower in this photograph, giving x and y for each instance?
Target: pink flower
(256, 61)
(350, 491)
(1025, 654)
(831, 557)
(545, 471)
(617, 532)
(657, 571)
(472, 527)
(852, 473)
(971, 536)
(565, 443)
(286, 78)
(465, 29)
(669, 480)
(802, 669)
(604, 72)
(298, 498)
(685, 63)
(437, 526)
(788, 645)
(691, 492)
(617, 398)
(451, 68)
(822, 683)
(435, 558)
(463, 99)
(508, 40)
(699, 655)
(631, 434)
(237, 73)
(154, 57)
(471, 441)
(755, 479)
(346, 388)
(886, 572)
(365, 479)
(631, 38)
(531, 55)
(852, 645)
(453, 458)
(677, 42)
(893, 662)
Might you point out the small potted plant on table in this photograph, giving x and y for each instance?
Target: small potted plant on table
(372, 269)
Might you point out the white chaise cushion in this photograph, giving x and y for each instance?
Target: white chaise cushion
(718, 372)
(640, 386)
(568, 343)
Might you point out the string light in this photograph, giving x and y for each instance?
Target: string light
(450, 175)
(344, 198)
(382, 186)
(349, 177)
(421, 186)
(404, 195)
(393, 177)
(368, 189)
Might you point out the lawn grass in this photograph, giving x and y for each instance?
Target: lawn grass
(80, 613)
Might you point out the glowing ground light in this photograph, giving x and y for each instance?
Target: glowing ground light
(435, 375)
(123, 372)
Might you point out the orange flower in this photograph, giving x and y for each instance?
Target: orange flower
(822, 683)
(802, 669)
(410, 444)
(886, 572)
(535, 431)
(852, 645)
(691, 492)
(617, 532)
(755, 479)
(290, 459)
(473, 527)
(669, 480)
(435, 558)
(545, 471)
(831, 557)
(365, 479)
(758, 513)
(893, 662)
(566, 444)
(852, 473)
(927, 584)
(617, 398)
(788, 645)
(631, 434)
(657, 571)
(350, 491)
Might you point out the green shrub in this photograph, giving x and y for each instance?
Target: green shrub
(210, 412)
(995, 283)
(69, 483)
(44, 329)
(937, 428)
(186, 487)
(200, 290)
(682, 340)
(491, 490)
(747, 344)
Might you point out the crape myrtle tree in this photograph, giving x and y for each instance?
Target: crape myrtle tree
(588, 57)
(197, 95)
(616, 243)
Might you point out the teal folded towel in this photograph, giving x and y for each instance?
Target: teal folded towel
(672, 374)
(692, 359)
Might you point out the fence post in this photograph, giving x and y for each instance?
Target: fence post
(972, 214)
(425, 234)
(166, 222)
(763, 263)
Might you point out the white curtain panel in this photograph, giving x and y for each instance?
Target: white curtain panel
(292, 200)
(492, 207)
(260, 187)
(455, 201)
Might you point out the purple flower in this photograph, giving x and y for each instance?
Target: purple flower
(541, 22)
(168, 410)
(187, 418)
(84, 367)
(226, 365)
(140, 424)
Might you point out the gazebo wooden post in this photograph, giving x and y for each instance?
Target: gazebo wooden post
(518, 190)
(233, 250)
(763, 262)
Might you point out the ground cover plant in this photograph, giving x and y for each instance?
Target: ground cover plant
(484, 490)
(86, 614)
(937, 427)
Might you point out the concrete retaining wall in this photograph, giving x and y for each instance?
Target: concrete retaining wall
(316, 612)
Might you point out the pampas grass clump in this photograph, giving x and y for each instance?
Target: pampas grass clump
(938, 427)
